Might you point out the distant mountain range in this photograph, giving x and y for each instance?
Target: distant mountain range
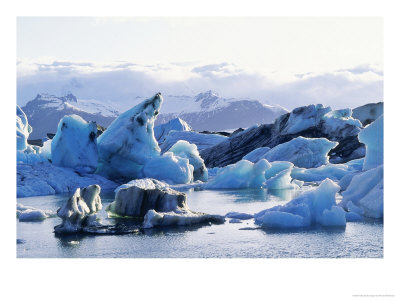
(45, 111)
(206, 111)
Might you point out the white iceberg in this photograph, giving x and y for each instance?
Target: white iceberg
(75, 144)
(257, 154)
(170, 168)
(129, 142)
(23, 129)
(372, 137)
(177, 124)
(243, 174)
(302, 152)
(79, 210)
(282, 180)
(317, 206)
(31, 214)
(364, 194)
(186, 150)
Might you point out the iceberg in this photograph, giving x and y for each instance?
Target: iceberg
(257, 154)
(136, 197)
(75, 144)
(79, 210)
(23, 129)
(243, 174)
(31, 214)
(186, 150)
(187, 218)
(302, 152)
(239, 216)
(331, 171)
(282, 180)
(177, 124)
(170, 168)
(201, 140)
(368, 112)
(129, 142)
(364, 194)
(316, 206)
(372, 137)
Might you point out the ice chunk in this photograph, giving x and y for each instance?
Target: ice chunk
(368, 112)
(257, 154)
(372, 137)
(31, 214)
(243, 174)
(170, 168)
(334, 172)
(240, 216)
(135, 198)
(23, 129)
(79, 210)
(277, 167)
(186, 150)
(316, 206)
(177, 124)
(365, 192)
(302, 152)
(187, 218)
(305, 117)
(201, 140)
(281, 181)
(75, 144)
(129, 143)
(340, 123)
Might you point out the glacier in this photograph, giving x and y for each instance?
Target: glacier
(75, 145)
(187, 150)
(302, 152)
(316, 206)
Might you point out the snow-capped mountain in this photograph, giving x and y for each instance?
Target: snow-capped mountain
(209, 111)
(45, 111)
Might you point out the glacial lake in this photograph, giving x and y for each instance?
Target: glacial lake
(229, 240)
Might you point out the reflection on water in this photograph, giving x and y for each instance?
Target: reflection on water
(363, 239)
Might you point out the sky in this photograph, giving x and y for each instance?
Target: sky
(291, 61)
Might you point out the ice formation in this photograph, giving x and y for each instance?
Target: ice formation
(186, 150)
(282, 181)
(169, 167)
(75, 144)
(277, 167)
(45, 179)
(177, 124)
(372, 137)
(317, 206)
(243, 174)
(331, 171)
(201, 140)
(31, 214)
(302, 152)
(79, 210)
(364, 194)
(341, 123)
(136, 197)
(239, 216)
(129, 143)
(368, 112)
(23, 129)
(187, 218)
(257, 154)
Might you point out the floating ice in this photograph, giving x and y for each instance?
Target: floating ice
(372, 137)
(129, 143)
(302, 152)
(75, 144)
(334, 172)
(186, 150)
(277, 167)
(136, 197)
(79, 210)
(282, 181)
(177, 124)
(257, 154)
(368, 112)
(364, 195)
(243, 174)
(187, 218)
(240, 216)
(31, 214)
(317, 206)
(23, 129)
(170, 168)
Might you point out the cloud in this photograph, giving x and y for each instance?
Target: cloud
(123, 81)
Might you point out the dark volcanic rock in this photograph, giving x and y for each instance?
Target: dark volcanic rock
(307, 121)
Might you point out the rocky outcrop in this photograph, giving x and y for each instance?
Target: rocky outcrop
(313, 121)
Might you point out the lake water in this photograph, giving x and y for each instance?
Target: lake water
(229, 240)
